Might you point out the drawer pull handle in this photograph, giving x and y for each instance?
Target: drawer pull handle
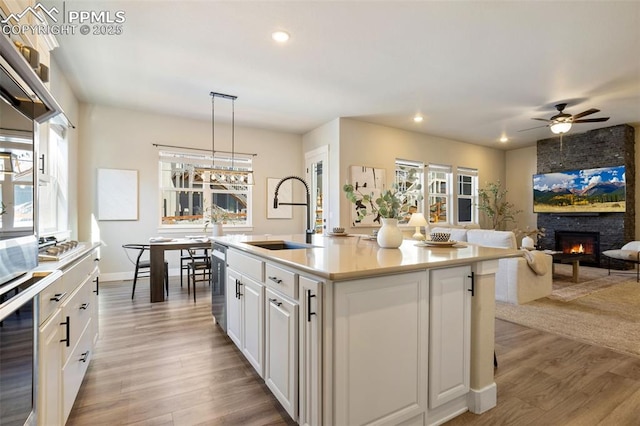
(276, 280)
(58, 297)
(84, 306)
(97, 290)
(67, 332)
(309, 313)
(84, 356)
(275, 302)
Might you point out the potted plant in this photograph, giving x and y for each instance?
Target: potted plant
(215, 216)
(388, 207)
(492, 200)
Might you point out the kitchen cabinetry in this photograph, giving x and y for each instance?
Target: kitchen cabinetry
(281, 350)
(310, 352)
(245, 307)
(67, 335)
(449, 334)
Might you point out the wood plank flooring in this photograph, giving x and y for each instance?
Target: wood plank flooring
(166, 364)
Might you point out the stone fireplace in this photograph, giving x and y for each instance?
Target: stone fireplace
(587, 243)
(607, 147)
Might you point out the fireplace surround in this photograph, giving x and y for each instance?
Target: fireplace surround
(606, 147)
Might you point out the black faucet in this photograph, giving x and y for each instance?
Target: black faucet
(309, 232)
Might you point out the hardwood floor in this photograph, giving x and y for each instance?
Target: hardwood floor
(166, 364)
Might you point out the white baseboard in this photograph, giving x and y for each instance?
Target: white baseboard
(481, 400)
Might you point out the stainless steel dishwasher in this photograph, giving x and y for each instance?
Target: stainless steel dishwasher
(219, 272)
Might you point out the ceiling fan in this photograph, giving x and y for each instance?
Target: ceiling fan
(562, 122)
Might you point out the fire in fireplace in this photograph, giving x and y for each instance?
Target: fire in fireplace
(587, 243)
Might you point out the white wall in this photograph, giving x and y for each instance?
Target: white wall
(374, 145)
(122, 139)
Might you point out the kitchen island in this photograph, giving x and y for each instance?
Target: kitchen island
(344, 332)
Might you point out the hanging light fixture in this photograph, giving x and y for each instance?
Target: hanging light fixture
(560, 127)
(6, 163)
(232, 174)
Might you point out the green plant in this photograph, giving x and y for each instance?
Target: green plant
(492, 200)
(3, 208)
(390, 204)
(215, 214)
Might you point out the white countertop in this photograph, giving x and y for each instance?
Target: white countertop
(350, 257)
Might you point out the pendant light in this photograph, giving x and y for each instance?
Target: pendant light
(6, 163)
(229, 175)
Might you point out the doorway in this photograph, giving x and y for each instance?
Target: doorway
(316, 165)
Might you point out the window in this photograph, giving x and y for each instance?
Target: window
(439, 187)
(53, 183)
(410, 177)
(467, 195)
(190, 189)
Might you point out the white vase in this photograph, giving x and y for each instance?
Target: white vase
(216, 229)
(527, 242)
(389, 236)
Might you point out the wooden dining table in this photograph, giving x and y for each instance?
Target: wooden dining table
(156, 258)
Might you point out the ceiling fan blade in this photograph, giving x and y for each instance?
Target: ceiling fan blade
(542, 119)
(587, 112)
(591, 120)
(531, 128)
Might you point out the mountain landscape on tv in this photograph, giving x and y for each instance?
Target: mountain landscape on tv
(580, 191)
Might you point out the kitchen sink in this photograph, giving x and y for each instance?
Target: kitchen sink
(279, 245)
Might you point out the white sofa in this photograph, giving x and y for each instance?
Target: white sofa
(516, 282)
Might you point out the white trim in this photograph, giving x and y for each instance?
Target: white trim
(481, 400)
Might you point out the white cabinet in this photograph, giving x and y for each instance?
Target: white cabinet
(245, 313)
(67, 335)
(310, 353)
(281, 348)
(50, 373)
(380, 338)
(450, 334)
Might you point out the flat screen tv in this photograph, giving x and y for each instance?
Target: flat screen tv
(601, 190)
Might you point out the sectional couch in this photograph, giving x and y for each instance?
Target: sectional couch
(516, 281)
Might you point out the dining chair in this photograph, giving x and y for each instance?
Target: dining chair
(186, 257)
(199, 269)
(143, 266)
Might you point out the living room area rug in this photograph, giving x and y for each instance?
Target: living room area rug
(602, 309)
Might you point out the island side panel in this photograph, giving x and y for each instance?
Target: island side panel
(483, 307)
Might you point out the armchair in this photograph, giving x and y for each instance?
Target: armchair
(629, 252)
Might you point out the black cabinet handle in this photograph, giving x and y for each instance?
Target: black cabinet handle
(84, 356)
(42, 164)
(276, 280)
(309, 313)
(97, 290)
(58, 297)
(84, 306)
(275, 302)
(68, 332)
(473, 284)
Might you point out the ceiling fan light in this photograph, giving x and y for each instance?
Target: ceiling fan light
(560, 127)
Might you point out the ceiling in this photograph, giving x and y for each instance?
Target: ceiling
(474, 70)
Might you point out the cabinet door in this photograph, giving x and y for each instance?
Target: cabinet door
(310, 353)
(234, 313)
(450, 334)
(281, 361)
(380, 344)
(50, 371)
(252, 301)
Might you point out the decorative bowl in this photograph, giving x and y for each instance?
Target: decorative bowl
(440, 236)
(338, 230)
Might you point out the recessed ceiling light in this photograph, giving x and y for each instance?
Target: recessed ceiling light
(504, 139)
(418, 119)
(280, 36)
